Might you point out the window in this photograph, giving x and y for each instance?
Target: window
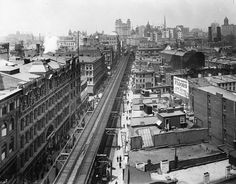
(35, 113)
(182, 119)
(11, 145)
(209, 111)
(11, 125)
(209, 124)
(31, 133)
(22, 160)
(27, 120)
(35, 129)
(22, 124)
(22, 141)
(12, 106)
(27, 137)
(4, 110)
(224, 134)
(4, 129)
(224, 117)
(4, 151)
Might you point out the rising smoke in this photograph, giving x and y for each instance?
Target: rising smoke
(50, 43)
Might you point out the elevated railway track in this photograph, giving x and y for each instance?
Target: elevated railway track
(78, 166)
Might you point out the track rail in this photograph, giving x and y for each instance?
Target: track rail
(79, 163)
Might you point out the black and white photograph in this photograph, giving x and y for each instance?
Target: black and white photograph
(117, 91)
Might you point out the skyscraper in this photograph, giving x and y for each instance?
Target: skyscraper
(123, 29)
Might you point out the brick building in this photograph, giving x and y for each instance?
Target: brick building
(94, 69)
(214, 108)
(144, 78)
(48, 101)
(9, 117)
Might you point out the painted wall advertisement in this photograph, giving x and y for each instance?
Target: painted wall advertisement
(181, 87)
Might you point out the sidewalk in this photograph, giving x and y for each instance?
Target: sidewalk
(123, 137)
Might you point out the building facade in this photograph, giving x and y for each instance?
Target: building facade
(94, 69)
(123, 29)
(9, 118)
(214, 108)
(110, 40)
(144, 78)
(228, 29)
(67, 43)
(47, 108)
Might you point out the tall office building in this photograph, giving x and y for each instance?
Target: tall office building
(209, 34)
(123, 29)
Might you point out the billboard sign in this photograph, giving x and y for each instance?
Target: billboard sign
(181, 87)
(4, 51)
(4, 48)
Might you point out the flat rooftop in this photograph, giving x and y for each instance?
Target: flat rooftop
(139, 114)
(88, 59)
(143, 121)
(183, 152)
(171, 114)
(213, 90)
(134, 131)
(222, 79)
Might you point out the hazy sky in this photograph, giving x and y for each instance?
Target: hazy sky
(58, 16)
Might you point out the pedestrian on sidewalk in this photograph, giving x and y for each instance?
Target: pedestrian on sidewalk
(120, 158)
(117, 159)
(120, 164)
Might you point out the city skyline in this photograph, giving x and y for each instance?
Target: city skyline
(57, 17)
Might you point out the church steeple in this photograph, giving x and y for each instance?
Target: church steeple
(164, 22)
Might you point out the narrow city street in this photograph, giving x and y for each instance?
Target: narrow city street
(120, 156)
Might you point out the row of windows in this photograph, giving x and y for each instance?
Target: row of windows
(89, 73)
(33, 147)
(89, 67)
(67, 43)
(40, 124)
(39, 92)
(8, 108)
(25, 156)
(25, 121)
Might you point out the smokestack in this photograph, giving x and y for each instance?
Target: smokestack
(218, 33)
(38, 49)
(209, 34)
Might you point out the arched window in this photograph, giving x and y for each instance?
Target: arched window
(4, 129)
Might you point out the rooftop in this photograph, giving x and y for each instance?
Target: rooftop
(184, 153)
(228, 60)
(136, 131)
(144, 121)
(174, 52)
(171, 114)
(222, 78)
(8, 85)
(213, 90)
(88, 59)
